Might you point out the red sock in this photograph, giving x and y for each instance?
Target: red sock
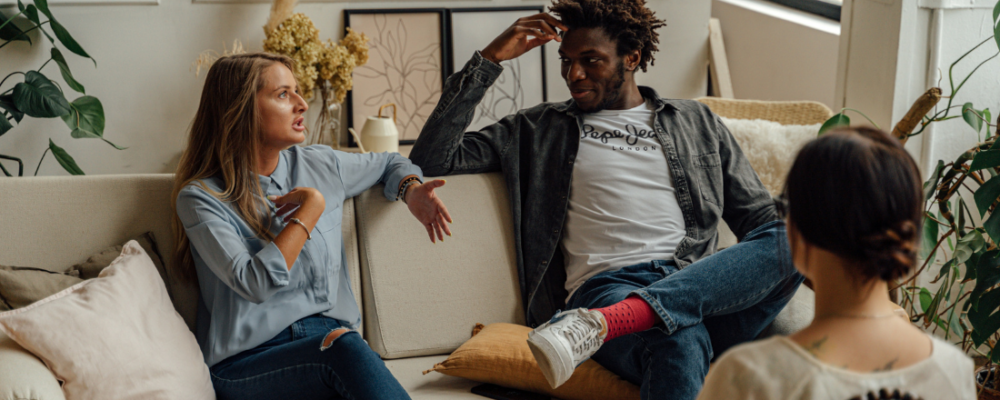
(627, 316)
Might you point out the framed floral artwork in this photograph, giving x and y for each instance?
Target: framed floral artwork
(522, 83)
(406, 66)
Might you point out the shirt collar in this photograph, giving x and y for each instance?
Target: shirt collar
(279, 177)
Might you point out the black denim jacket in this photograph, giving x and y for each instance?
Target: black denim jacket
(535, 148)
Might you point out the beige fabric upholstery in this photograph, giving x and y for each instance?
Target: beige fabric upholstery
(422, 298)
(782, 112)
(433, 386)
(24, 376)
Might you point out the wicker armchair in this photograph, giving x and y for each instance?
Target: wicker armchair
(782, 112)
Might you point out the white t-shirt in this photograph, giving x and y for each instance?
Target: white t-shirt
(622, 205)
(778, 368)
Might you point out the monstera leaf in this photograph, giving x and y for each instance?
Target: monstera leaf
(38, 97)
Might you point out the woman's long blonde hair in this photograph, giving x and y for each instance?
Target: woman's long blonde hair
(225, 141)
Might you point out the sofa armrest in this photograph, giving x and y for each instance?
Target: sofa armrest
(23, 376)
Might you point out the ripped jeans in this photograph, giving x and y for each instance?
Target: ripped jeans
(308, 360)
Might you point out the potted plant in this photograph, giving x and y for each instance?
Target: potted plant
(959, 240)
(38, 96)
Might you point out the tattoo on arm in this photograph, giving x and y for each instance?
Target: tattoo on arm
(814, 347)
(888, 366)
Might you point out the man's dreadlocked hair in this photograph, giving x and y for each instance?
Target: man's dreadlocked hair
(628, 22)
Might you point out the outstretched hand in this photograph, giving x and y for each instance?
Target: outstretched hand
(525, 34)
(428, 208)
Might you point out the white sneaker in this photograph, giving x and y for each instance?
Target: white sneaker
(567, 340)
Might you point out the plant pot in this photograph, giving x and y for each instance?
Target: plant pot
(988, 392)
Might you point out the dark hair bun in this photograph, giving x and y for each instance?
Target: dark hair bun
(857, 193)
(892, 253)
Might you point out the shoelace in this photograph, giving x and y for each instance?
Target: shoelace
(583, 334)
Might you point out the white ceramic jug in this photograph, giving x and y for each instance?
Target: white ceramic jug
(380, 134)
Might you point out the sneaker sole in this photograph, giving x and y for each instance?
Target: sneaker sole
(544, 354)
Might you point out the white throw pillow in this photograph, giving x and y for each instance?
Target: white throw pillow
(114, 337)
(770, 147)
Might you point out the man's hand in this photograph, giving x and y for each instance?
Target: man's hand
(428, 208)
(526, 34)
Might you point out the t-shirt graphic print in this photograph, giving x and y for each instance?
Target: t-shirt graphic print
(622, 206)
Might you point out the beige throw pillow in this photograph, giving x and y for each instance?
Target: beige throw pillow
(114, 337)
(20, 286)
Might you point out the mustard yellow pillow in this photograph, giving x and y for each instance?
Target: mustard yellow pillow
(499, 354)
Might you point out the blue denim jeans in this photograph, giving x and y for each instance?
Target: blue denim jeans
(301, 364)
(718, 302)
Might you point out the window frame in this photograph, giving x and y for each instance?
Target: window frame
(818, 7)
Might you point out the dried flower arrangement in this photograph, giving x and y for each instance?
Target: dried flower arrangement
(327, 66)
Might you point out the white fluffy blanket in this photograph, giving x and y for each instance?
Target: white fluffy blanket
(770, 147)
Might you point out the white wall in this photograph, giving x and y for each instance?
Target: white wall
(888, 63)
(778, 53)
(150, 93)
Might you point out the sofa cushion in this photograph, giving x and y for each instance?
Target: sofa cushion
(23, 376)
(408, 371)
(114, 337)
(21, 286)
(499, 354)
(770, 147)
(423, 299)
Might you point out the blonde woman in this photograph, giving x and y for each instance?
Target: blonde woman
(854, 207)
(258, 224)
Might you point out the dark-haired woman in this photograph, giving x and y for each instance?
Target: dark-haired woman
(854, 210)
(258, 222)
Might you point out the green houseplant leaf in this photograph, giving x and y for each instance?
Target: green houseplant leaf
(64, 69)
(984, 320)
(9, 31)
(985, 159)
(64, 159)
(971, 118)
(992, 226)
(87, 119)
(987, 194)
(834, 122)
(929, 239)
(61, 33)
(32, 13)
(932, 182)
(7, 103)
(64, 37)
(38, 97)
(5, 125)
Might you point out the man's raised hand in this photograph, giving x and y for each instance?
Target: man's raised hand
(525, 34)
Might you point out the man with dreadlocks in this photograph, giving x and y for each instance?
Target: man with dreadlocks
(616, 195)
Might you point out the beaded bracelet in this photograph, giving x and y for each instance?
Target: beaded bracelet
(406, 185)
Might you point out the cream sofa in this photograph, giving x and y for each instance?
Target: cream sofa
(419, 300)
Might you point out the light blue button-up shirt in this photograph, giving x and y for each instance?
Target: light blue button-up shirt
(248, 295)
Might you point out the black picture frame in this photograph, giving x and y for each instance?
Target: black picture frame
(442, 62)
(513, 97)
